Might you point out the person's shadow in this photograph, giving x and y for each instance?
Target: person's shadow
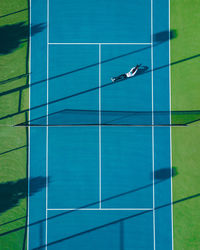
(142, 70)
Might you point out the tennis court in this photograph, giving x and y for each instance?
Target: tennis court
(100, 146)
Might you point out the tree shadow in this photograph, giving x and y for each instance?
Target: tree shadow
(14, 35)
(37, 28)
(165, 173)
(13, 191)
(40, 182)
(164, 36)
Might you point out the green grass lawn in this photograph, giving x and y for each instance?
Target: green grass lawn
(13, 141)
(185, 83)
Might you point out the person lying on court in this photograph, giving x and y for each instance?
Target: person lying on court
(131, 73)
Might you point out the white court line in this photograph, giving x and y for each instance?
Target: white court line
(170, 131)
(47, 128)
(98, 209)
(29, 129)
(99, 43)
(96, 125)
(154, 236)
(99, 125)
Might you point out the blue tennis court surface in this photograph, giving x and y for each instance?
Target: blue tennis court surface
(107, 170)
(100, 21)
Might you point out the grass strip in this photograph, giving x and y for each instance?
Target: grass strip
(185, 77)
(14, 33)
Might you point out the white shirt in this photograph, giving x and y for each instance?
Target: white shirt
(130, 74)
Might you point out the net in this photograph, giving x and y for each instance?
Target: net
(71, 117)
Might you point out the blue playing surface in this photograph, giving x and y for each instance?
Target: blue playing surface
(104, 187)
(100, 21)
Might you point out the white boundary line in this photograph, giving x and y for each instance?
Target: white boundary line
(47, 128)
(98, 209)
(154, 236)
(100, 126)
(29, 129)
(170, 132)
(99, 43)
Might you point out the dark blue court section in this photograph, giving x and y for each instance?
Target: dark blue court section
(100, 21)
(73, 69)
(38, 102)
(127, 167)
(100, 230)
(73, 167)
(37, 190)
(125, 95)
(105, 171)
(163, 213)
(38, 97)
(74, 81)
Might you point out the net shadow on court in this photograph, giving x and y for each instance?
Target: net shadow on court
(76, 117)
